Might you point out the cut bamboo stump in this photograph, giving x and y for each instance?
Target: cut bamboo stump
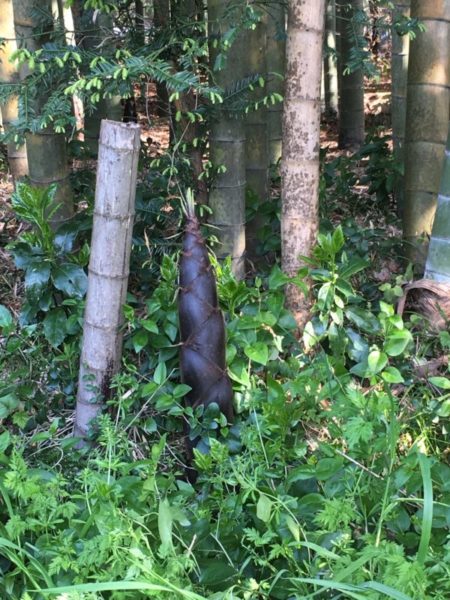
(428, 298)
(108, 268)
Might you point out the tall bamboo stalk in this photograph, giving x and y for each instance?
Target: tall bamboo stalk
(44, 171)
(426, 122)
(330, 70)
(399, 77)
(110, 108)
(227, 149)
(438, 259)
(17, 155)
(161, 18)
(25, 23)
(301, 141)
(46, 150)
(186, 132)
(256, 135)
(351, 85)
(108, 268)
(276, 58)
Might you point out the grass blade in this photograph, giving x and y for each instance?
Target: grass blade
(427, 518)
(352, 591)
(109, 586)
(387, 590)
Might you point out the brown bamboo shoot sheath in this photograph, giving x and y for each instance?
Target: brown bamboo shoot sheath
(426, 121)
(108, 267)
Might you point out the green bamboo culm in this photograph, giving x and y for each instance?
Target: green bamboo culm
(351, 85)
(426, 124)
(227, 145)
(276, 58)
(17, 156)
(99, 26)
(399, 77)
(330, 69)
(438, 259)
(256, 133)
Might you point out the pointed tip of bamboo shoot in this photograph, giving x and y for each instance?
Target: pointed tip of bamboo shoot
(188, 204)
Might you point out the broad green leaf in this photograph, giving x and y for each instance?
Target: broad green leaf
(327, 467)
(355, 265)
(149, 325)
(396, 343)
(257, 352)
(363, 319)
(70, 279)
(277, 278)
(267, 318)
(5, 440)
(139, 340)
(337, 239)
(440, 382)
(165, 522)
(325, 295)
(344, 287)
(376, 361)
(215, 571)
(386, 309)
(264, 508)
(37, 276)
(8, 404)
(310, 339)
(65, 237)
(55, 326)
(444, 409)
(392, 375)
(6, 320)
(181, 390)
(171, 331)
(293, 527)
(358, 348)
(160, 374)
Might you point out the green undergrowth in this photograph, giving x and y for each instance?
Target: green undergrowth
(333, 481)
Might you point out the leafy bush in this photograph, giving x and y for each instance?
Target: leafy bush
(321, 488)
